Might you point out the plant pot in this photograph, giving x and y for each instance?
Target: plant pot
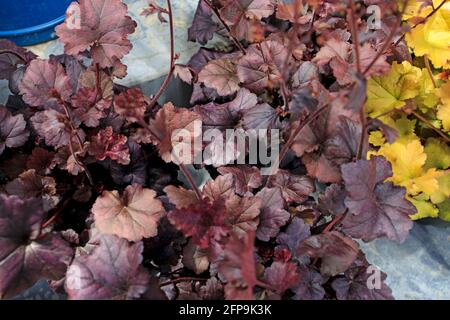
(28, 22)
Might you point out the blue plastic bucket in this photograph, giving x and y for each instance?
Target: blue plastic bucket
(28, 22)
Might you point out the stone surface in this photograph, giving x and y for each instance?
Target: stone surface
(419, 268)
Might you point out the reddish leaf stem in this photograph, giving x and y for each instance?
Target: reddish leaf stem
(163, 87)
(80, 143)
(56, 215)
(191, 180)
(354, 32)
(285, 68)
(97, 82)
(217, 14)
(430, 125)
(420, 117)
(291, 140)
(172, 58)
(334, 222)
(430, 72)
(388, 40)
(183, 168)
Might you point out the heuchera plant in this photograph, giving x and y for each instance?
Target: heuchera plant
(91, 200)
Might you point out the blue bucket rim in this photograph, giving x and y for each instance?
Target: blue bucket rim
(33, 29)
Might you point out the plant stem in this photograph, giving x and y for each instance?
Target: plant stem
(334, 222)
(391, 35)
(181, 279)
(217, 14)
(172, 58)
(430, 125)
(183, 168)
(160, 92)
(291, 140)
(97, 82)
(72, 128)
(80, 143)
(191, 180)
(354, 32)
(430, 72)
(386, 113)
(56, 215)
(363, 132)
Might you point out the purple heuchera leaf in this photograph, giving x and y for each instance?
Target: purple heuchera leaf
(202, 57)
(295, 233)
(135, 171)
(310, 285)
(243, 213)
(203, 26)
(281, 276)
(358, 285)
(377, 208)
(227, 114)
(10, 61)
(238, 267)
(112, 270)
(107, 144)
(262, 116)
(212, 290)
(205, 222)
(294, 188)
(246, 178)
(337, 251)
(342, 147)
(243, 16)
(30, 185)
(42, 161)
(220, 75)
(104, 28)
(45, 84)
(26, 255)
(86, 107)
(273, 216)
(13, 132)
(52, 126)
(332, 200)
(132, 215)
(131, 104)
(261, 66)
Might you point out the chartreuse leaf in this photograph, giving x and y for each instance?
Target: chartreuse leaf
(444, 93)
(385, 93)
(427, 97)
(438, 154)
(376, 138)
(405, 128)
(444, 210)
(432, 38)
(443, 192)
(408, 160)
(414, 8)
(443, 114)
(425, 209)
